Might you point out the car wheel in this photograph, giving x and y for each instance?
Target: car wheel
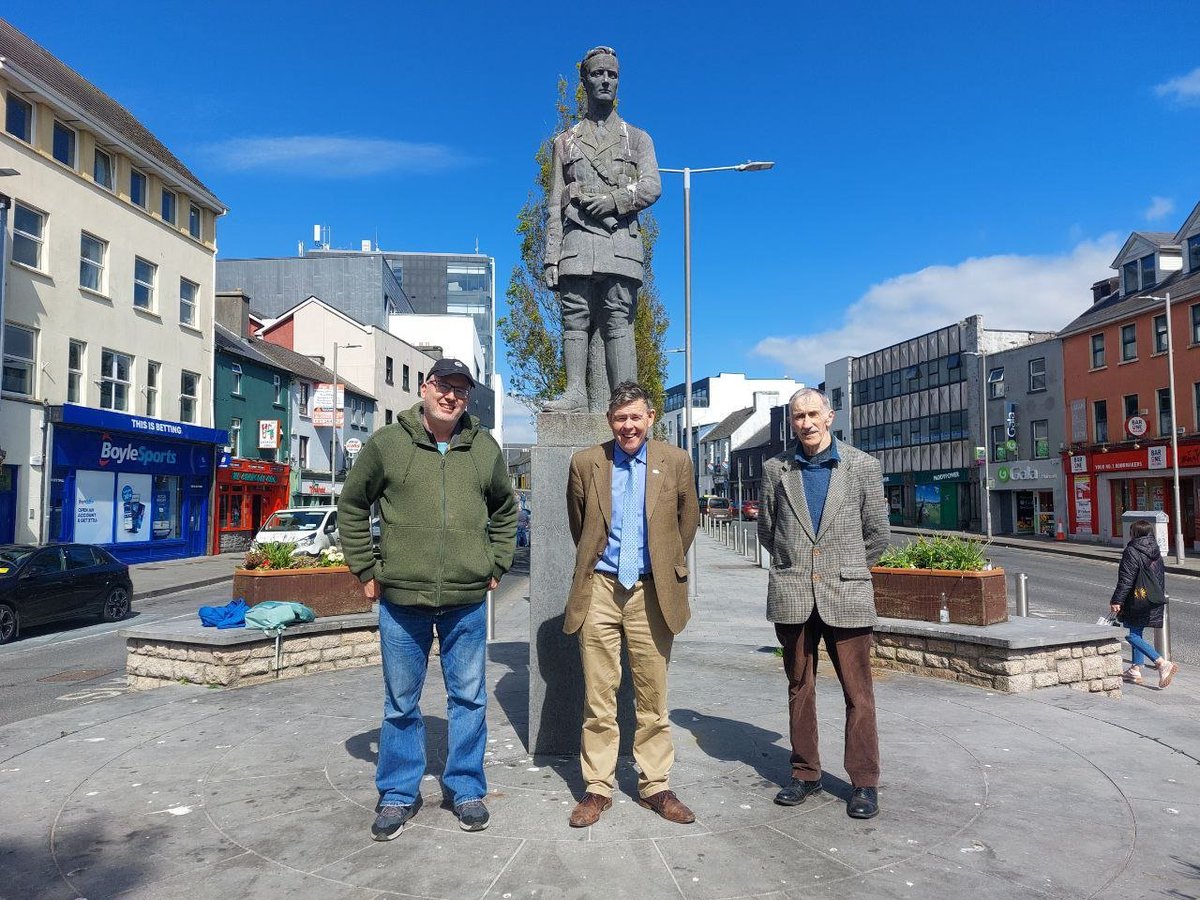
(116, 605)
(8, 623)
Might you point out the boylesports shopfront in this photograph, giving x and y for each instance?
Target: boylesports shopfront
(139, 487)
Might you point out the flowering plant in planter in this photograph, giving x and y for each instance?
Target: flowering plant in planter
(920, 579)
(945, 552)
(282, 555)
(322, 582)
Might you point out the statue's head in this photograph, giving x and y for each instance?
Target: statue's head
(599, 72)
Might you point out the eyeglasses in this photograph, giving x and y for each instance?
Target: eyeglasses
(445, 387)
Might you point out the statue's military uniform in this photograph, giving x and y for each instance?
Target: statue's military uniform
(600, 259)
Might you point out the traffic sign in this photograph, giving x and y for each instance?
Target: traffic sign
(353, 446)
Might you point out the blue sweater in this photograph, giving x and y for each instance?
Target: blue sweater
(816, 470)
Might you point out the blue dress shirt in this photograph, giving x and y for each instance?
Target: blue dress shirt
(632, 531)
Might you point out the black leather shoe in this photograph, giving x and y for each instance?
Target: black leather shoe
(797, 791)
(864, 803)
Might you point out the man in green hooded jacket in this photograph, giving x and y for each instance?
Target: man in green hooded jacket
(448, 525)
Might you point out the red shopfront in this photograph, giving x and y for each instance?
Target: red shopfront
(248, 491)
(1102, 486)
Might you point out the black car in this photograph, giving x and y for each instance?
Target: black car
(61, 581)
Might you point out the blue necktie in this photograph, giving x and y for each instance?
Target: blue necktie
(629, 561)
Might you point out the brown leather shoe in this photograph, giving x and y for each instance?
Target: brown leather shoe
(667, 805)
(587, 811)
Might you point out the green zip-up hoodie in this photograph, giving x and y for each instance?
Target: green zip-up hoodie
(448, 521)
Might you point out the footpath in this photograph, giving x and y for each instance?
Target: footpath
(268, 790)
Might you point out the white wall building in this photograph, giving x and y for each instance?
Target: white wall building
(716, 476)
(107, 311)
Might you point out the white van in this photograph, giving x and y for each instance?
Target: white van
(311, 528)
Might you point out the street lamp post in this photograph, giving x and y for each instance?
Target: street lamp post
(985, 481)
(687, 173)
(1166, 301)
(333, 437)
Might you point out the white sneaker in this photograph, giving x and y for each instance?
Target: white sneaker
(1166, 672)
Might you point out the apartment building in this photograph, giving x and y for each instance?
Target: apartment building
(107, 314)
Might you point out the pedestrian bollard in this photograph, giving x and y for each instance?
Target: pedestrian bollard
(491, 615)
(1022, 594)
(757, 549)
(1164, 633)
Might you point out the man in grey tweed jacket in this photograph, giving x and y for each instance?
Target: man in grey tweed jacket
(823, 518)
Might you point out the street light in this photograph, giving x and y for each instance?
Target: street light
(1166, 301)
(687, 172)
(333, 438)
(985, 483)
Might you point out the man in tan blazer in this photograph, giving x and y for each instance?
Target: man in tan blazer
(633, 511)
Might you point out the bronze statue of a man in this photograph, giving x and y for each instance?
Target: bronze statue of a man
(604, 174)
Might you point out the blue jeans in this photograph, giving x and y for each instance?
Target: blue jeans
(406, 635)
(1142, 648)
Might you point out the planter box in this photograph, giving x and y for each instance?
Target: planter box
(333, 591)
(974, 598)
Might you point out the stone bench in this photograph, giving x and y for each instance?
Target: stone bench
(1019, 655)
(175, 652)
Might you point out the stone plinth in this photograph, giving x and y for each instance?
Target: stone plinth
(555, 679)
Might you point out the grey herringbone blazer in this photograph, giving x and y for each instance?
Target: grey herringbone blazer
(827, 568)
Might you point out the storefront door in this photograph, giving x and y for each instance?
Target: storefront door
(1045, 513)
(1025, 512)
(256, 512)
(197, 506)
(8, 502)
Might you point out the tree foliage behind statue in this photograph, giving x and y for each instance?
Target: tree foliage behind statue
(532, 330)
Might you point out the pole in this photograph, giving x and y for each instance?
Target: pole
(491, 615)
(987, 449)
(1164, 633)
(333, 436)
(693, 582)
(1174, 437)
(1022, 594)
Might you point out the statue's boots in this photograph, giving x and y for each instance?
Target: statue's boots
(575, 359)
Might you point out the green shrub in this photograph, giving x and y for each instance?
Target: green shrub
(951, 553)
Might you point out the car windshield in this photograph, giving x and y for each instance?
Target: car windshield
(718, 503)
(11, 555)
(295, 520)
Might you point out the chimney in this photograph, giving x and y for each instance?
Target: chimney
(765, 400)
(233, 311)
(1104, 289)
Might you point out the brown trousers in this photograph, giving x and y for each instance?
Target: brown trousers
(850, 652)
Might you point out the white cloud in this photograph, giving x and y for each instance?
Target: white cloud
(1034, 293)
(1159, 208)
(519, 425)
(327, 156)
(1184, 89)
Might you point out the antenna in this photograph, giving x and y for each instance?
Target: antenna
(322, 234)
(476, 245)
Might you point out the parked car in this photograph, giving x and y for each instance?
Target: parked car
(311, 528)
(61, 581)
(720, 509)
(750, 510)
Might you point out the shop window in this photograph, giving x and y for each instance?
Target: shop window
(1098, 351)
(1100, 421)
(1160, 334)
(1037, 374)
(1128, 342)
(115, 369)
(1039, 432)
(153, 371)
(1164, 412)
(20, 359)
(165, 521)
(29, 232)
(189, 396)
(75, 351)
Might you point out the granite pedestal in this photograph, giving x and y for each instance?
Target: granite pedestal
(555, 678)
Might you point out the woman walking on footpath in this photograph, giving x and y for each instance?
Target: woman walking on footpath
(1138, 613)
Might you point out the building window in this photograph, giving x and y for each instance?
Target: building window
(304, 398)
(18, 118)
(1097, 351)
(29, 228)
(236, 371)
(189, 396)
(75, 371)
(168, 206)
(1148, 274)
(194, 221)
(144, 274)
(64, 144)
(1037, 374)
(1138, 274)
(835, 397)
(235, 437)
(404, 377)
(20, 359)
(1193, 252)
(152, 373)
(1160, 334)
(115, 370)
(1196, 406)
(1100, 421)
(138, 192)
(388, 370)
(1164, 412)
(187, 301)
(102, 169)
(1195, 317)
(996, 382)
(1130, 405)
(1039, 431)
(303, 451)
(92, 252)
(387, 417)
(1128, 342)
(278, 383)
(999, 438)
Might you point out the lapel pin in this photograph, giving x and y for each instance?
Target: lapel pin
(655, 471)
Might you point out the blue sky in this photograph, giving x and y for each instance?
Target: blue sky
(933, 159)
